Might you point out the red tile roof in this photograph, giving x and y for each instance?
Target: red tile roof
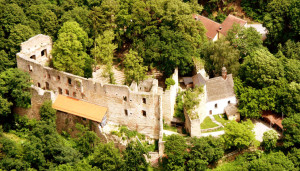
(228, 23)
(211, 26)
(273, 118)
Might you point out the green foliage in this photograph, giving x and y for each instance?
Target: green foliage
(294, 156)
(255, 9)
(134, 69)
(291, 49)
(14, 86)
(275, 20)
(5, 63)
(292, 131)
(130, 134)
(69, 51)
(261, 69)
(106, 157)
(175, 150)
(246, 40)
(134, 157)
(87, 140)
(169, 82)
(218, 54)
(191, 101)
(270, 139)
(47, 112)
(179, 106)
(239, 135)
(204, 151)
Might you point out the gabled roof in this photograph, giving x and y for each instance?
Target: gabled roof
(218, 88)
(198, 80)
(211, 26)
(228, 23)
(79, 108)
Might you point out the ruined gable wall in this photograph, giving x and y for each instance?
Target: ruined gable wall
(110, 96)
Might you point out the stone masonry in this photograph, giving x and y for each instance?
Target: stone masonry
(136, 106)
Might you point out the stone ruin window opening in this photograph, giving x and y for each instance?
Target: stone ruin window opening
(67, 92)
(47, 86)
(125, 98)
(126, 112)
(30, 68)
(144, 100)
(74, 94)
(144, 113)
(48, 75)
(39, 85)
(69, 81)
(58, 78)
(216, 105)
(33, 57)
(59, 90)
(44, 52)
(228, 101)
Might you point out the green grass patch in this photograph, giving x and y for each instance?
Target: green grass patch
(207, 123)
(223, 119)
(170, 128)
(216, 130)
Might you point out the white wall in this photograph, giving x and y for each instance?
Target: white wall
(221, 104)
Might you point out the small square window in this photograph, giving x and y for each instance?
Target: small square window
(74, 94)
(58, 78)
(39, 85)
(228, 101)
(125, 98)
(216, 105)
(144, 100)
(144, 113)
(47, 86)
(44, 52)
(126, 112)
(67, 92)
(69, 81)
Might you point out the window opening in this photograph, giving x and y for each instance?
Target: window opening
(33, 57)
(44, 52)
(228, 101)
(69, 81)
(74, 94)
(47, 86)
(30, 68)
(59, 90)
(67, 92)
(126, 112)
(144, 113)
(39, 84)
(216, 105)
(125, 98)
(58, 78)
(144, 100)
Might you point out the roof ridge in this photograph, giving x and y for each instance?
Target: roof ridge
(209, 19)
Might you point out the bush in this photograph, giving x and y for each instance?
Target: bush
(270, 139)
(47, 112)
(169, 82)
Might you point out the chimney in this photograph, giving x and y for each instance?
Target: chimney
(224, 73)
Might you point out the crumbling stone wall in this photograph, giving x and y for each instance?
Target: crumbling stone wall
(137, 109)
(192, 126)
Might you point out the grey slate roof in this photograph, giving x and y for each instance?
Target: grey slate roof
(218, 88)
(198, 80)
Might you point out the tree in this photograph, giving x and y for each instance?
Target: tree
(169, 82)
(106, 157)
(239, 135)
(270, 139)
(261, 69)
(134, 69)
(204, 150)
(68, 54)
(291, 134)
(191, 101)
(218, 54)
(18, 34)
(175, 150)
(294, 156)
(292, 70)
(5, 63)
(290, 49)
(282, 21)
(5, 107)
(245, 39)
(14, 86)
(134, 157)
(87, 140)
(47, 113)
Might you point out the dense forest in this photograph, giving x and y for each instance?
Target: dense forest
(141, 35)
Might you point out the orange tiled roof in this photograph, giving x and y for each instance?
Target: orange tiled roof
(273, 118)
(211, 26)
(79, 108)
(228, 23)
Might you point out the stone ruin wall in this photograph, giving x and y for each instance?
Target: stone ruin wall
(169, 99)
(117, 98)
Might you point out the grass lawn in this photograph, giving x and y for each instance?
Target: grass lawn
(207, 123)
(223, 120)
(170, 128)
